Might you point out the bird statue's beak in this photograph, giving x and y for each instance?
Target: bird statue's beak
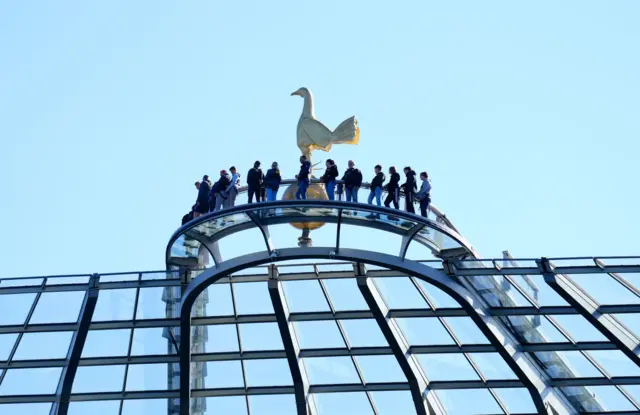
(296, 93)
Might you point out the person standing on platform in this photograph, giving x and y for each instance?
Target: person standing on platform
(376, 186)
(424, 195)
(202, 204)
(272, 182)
(303, 178)
(255, 181)
(352, 181)
(329, 178)
(232, 188)
(218, 190)
(393, 188)
(409, 187)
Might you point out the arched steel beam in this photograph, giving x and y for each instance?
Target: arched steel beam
(536, 387)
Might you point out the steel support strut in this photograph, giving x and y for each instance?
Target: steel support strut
(408, 363)
(304, 405)
(63, 392)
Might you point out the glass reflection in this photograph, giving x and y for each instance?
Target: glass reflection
(32, 346)
(42, 381)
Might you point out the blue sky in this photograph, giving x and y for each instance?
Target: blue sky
(525, 116)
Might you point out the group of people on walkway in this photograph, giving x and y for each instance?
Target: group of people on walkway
(264, 187)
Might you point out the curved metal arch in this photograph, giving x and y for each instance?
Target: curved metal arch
(416, 269)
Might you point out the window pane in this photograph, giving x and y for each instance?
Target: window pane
(400, 293)
(152, 341)
(7, 341)
(394, 402)
(32, 346)
(115, 305)
(546, 295)
(535, 329)
(94, 407)
(106, 343)
(19, 304)
(424, 331)
(145, 406)
(30, 381)
(492, 366)
(98, 379)
(363, 333)
(579, 328)
(438, 298)
(148, 377)
(226, 374)
(353, 403)
(253, 298)
(517, 400)
(273, 405)
(345, 294)
(578, 366)
(318, 334)
(466, 330)
(446, 366)
(260, 336)
(221, 338)
(468, 401)
(150, 304)
(380, 369)
(604, 289)
(267, 372)
(27, 409)
(221, 405)
(615, 363)
(611, 398)
(305, 296)
(218, 300)
(62, 307)
(330, 370)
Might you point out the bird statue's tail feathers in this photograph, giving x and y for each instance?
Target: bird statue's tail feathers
(347, 132)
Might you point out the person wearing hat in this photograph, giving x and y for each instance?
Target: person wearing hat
(272, 182)
(255, 182)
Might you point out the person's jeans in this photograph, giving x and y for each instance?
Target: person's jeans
(303, 185)
(271, 195)
(352, 194)
(377, 192)
(331, 188)
(424, 206)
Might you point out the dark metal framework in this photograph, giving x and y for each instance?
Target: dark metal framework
(508, 300)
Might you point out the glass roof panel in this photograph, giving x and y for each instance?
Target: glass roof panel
(631, 321)
(517, 400)
(305, 296)
(253, 298)
(41, 381)
(221, 338)
(60, 307)
(611, 398)
(438, 298)
(94, 407)
(576, 366)
(115, 305)
(544, 295)
(151, 341)
(468, 402)
(492, 366)
(226, 374)
(330, 370)
(447, 366)
(615, 363)
(148, 377)
(260, 336)
(218, 299)
(376, 369)
(318, 334)
(267, 372)
(353, 403)
(27, 409)
(604, 289)
(466, 330)
(106, 343)
(394, 402)
(151, 304)
(272, 405)
(345, 294)
(99, 379)
(363, 333)
(31, 346)
(400, 293)
(424, 331)
(232, 405)
(7, 341)
(535, 329)
(145, 406)
(579, 328)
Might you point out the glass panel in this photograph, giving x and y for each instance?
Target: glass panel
(466, 330)
(260, 336)
(119, 277)
(211, 227)
(218, 299)
(305, 296)
(106, 343)
(535, 329)
(94, 407)
(447, 366)
(497, 291)
(318, 334)
(380, 369)
(273, 405)
(345, 295)
(152, 341)
(424, 331)
(268, 372)
(253, 298)
(30, 381)
(611, 398)
(224, 374)
(363, 333)
(394, 403)
(631, 321)
(400, 293)
(148, 377)
(115, 305)
(99, 379)
(221, 405)
(27, 409)
(579, 328)
(150, 304)
(576, 366)
(492, 366)
(160, 275)
(145, 406)
(7, 341)
(543, 293)
(31, 346)
(604, 289)
(438, 298)
(353, 403)
(468, 401)
(20, 282)
(67, 280)
(517, 400)
(221, 338)
(615, 363)
(330, 370)
(60, 307)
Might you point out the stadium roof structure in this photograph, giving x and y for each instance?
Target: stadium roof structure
(422, 325)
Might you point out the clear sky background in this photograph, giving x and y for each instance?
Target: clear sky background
(525, 114)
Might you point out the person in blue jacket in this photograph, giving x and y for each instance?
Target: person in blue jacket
(272, 182)
(376, 186)
(303, 178)
(424, 194)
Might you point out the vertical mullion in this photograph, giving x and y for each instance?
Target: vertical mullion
(240, 349)
(130, 347)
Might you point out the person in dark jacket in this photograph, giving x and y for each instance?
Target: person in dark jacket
(424, 195)
(255, 182)
(393, 189)
(202, 203)
(409, 187)
(218, 190)
(352, 181)
(272, 182)
(303, 178)
(376, 186)
(329, 178)
(189, 216)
